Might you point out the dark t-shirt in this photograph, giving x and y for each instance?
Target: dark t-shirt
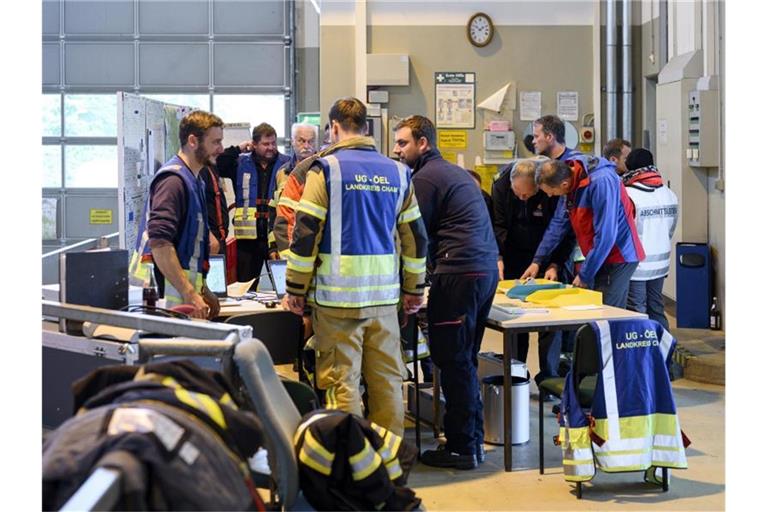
(167, 208)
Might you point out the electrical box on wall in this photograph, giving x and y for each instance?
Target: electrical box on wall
(498, 147)
(703, 148)
(388, 69)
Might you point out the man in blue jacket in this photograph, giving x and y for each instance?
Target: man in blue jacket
(462, 264)
(600, 214)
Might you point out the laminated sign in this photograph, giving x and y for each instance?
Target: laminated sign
(100, 216)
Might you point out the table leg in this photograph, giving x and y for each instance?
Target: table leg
(510, 339)
(417, 391)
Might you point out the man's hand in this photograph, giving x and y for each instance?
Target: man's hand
(531, 271)
(212, 301)
(274, 255)
(551, 272)
(213, 242)
(500, 264)
(200, 308)
(295, 304)
(246, 146)
(579, 283)
(412, 303)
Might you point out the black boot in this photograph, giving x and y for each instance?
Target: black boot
(443, 458)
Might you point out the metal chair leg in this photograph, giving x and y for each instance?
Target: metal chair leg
(664, 479)
(541, 433)
(578, 490)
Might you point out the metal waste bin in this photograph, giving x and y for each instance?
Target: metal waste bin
(493, 409)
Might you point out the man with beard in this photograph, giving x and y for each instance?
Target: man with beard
(549, 138)
(252, 166)
(174, 228)
(462, 264)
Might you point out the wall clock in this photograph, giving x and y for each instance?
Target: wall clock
(480, 29)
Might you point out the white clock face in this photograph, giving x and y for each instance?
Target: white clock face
(480, 30)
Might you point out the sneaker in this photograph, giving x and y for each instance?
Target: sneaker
(443, 458)
(480, 453)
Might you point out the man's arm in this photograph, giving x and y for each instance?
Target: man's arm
(413, 251)
(500, 205)
(226, 163)
(305, 242)
(166, 259)
(605, 200)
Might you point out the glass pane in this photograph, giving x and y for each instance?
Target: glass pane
(90, 166)
(51, 115)
(241, 108)
(201, 101)
(52, 166)
(90, 115)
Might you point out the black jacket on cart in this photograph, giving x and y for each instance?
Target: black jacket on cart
(173, 430)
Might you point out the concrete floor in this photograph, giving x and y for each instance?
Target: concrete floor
(701, 408)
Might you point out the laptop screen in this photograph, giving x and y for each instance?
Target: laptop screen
(216, 279)
(277, 270)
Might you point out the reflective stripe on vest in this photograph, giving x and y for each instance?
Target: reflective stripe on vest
(244, 219)
(637, 442)
(578, 460)
(351, 281)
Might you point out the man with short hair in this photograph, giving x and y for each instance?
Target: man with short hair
(655, 208)
(357, 228)
(522, 213)
(549, 138)
(174, 228)
(600, 213)
(252, 166)
(616, 151)
(462, 264)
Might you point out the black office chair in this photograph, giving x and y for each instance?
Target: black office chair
(282, 332)
(586, 365)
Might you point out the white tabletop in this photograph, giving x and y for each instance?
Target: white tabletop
(555, 316)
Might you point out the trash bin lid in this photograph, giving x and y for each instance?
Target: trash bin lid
(498, 380)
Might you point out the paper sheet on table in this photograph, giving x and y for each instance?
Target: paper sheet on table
(581, 307)
(239, 289)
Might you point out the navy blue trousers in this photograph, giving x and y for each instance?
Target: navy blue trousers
(456, 312)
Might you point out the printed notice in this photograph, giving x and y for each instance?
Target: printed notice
(452, 139)
(568, 105)
(530, 105)
(100, 216)
(455, 100)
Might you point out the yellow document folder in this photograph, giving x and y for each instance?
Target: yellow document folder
(508, 284)
(566, 297)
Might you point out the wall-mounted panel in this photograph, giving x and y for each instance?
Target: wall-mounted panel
(173, 64)
(87, 214)
(252, 18)
(101, 64)
(51, 15)
(98, 17)
(51, 64)
(173, 17)
(249, 64)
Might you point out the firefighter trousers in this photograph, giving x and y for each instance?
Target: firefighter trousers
(350, 347)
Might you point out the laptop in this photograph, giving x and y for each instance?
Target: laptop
(217, 275)
(276, 282)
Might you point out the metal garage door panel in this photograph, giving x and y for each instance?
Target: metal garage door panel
(78, 213)
(94, 17)
(173, 17)
(51, 17)
(99, 64)
(252, 18)
(173, 64)
(51, 64)
(249, 64)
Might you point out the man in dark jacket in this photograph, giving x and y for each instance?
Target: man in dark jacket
(462, 262)
(216, 204)
(521, 216)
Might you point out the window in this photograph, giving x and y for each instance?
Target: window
(90, 166)
(255, 109)
(90, 115)
(52, 166)
(51, 115)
